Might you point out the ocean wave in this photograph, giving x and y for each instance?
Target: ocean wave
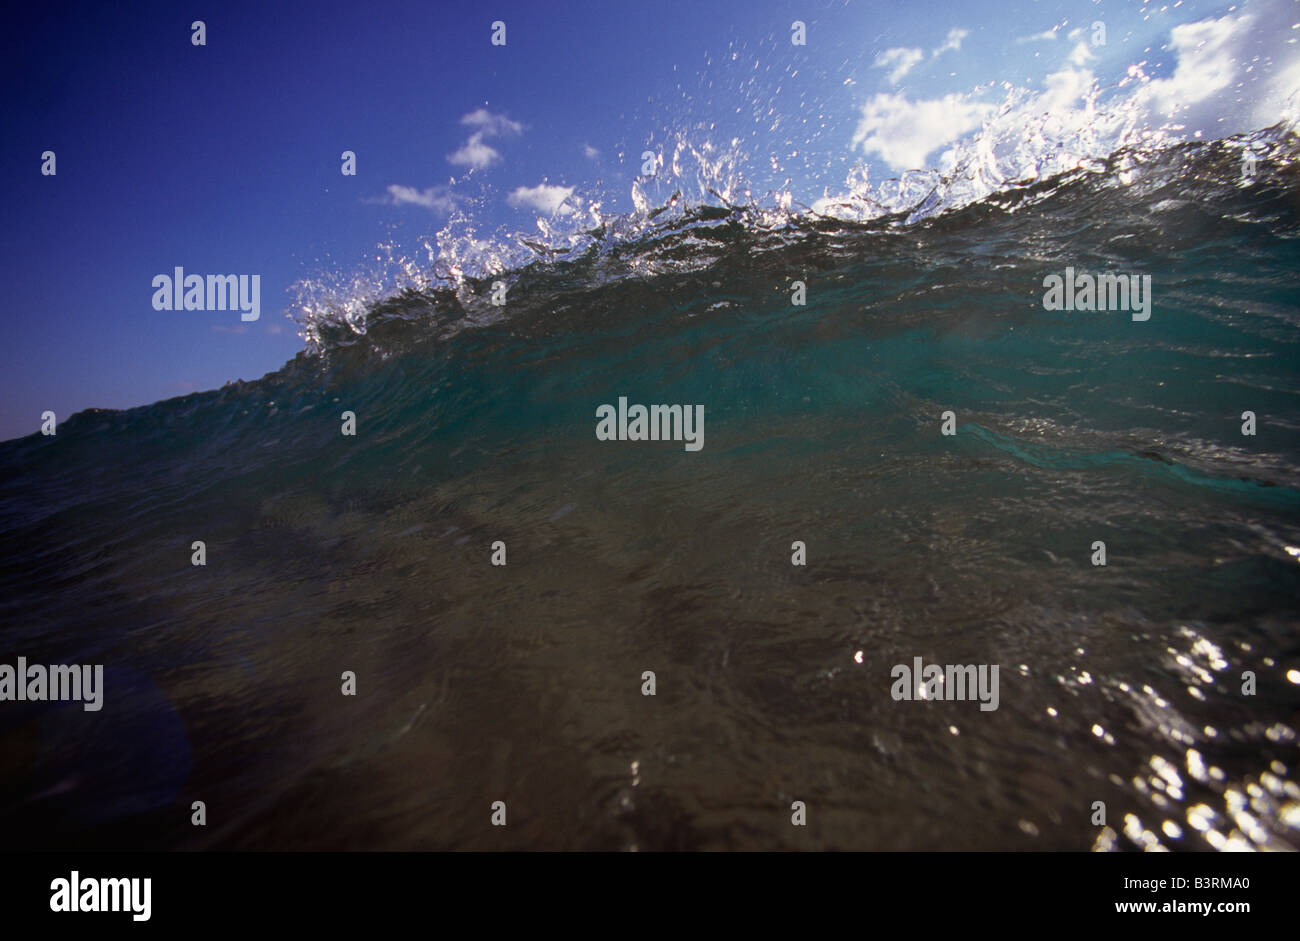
(1021, 158)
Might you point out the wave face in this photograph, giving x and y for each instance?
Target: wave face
(476, 423)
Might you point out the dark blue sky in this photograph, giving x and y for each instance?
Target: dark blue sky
(225, 159)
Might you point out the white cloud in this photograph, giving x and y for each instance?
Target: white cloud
(1282, 100)
(1045, 35)
(1206, 63)
(900, 61)
(591, 153)
(903, 133)
(434, 198)
(953, 40)
(542, 197)
(1225, 76)
(1080, 54)
(1236, 73)
(491, 124)
(476, 154)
